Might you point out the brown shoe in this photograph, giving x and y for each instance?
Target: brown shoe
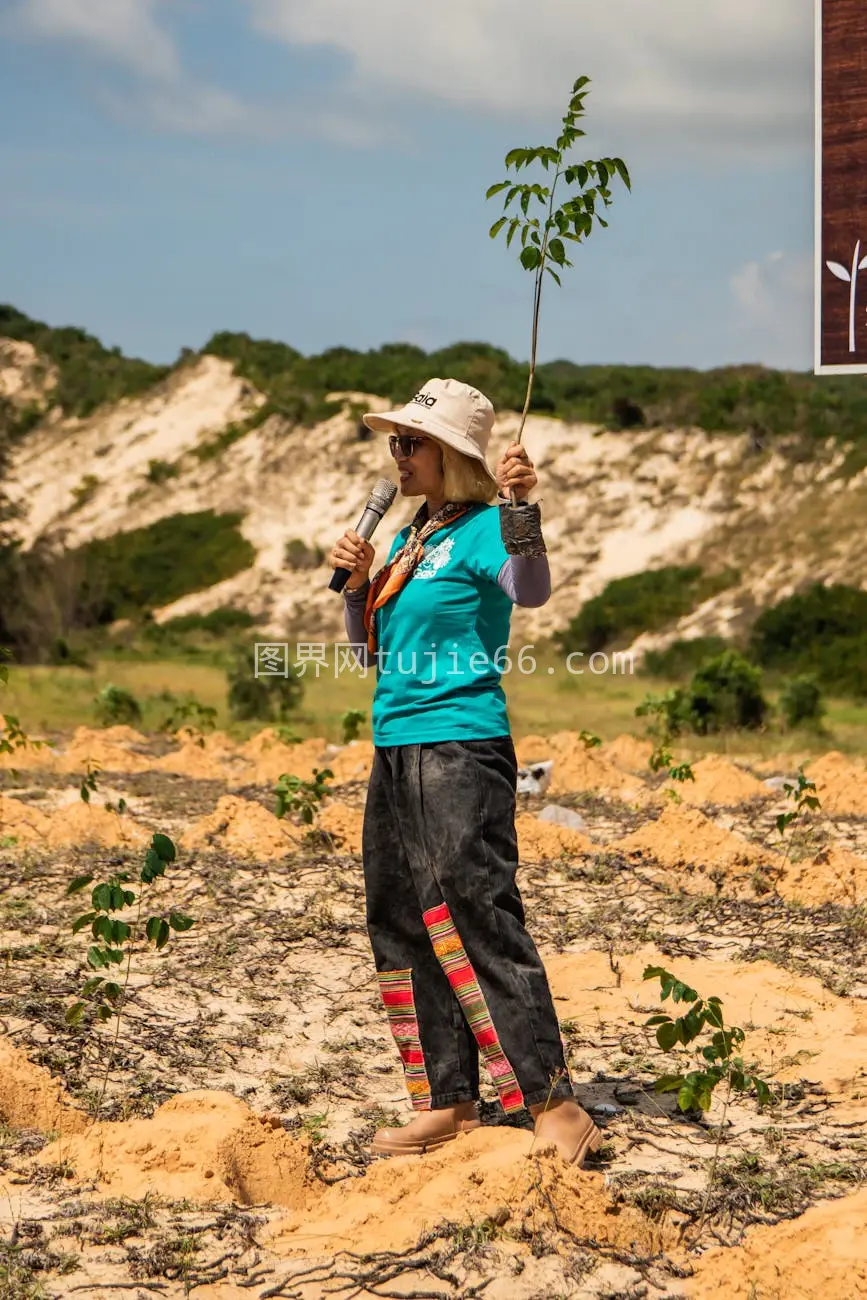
(430, 1129)
(564, 1125)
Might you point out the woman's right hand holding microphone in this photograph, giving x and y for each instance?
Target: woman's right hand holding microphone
(354, 553)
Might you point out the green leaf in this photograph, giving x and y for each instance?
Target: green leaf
(579, 84)
(116, 899)
(668, 1083)
(85, 794)
(97, 957)
(661, 1019)
(120, 932)
(157, 930)
(104, 1013)
(112, 992)
(763, 1092)
(164, 848)
(179, 922)
(620, 167)
(114, 955)
(80, 882)
(496, 189)
(91, 985)
(704, 1098)
(557, 251)
(554, 276)
(128, 898)
(101, 928)
(497, 227)
(101, 898)
(602, 173)
(73, 1014)
(686, 1097)
(668, 1035)
(654, 973)
(82, 921)
(511, 232)
(530, 258)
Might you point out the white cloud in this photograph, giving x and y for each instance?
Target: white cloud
(774, 308)
(127, 33)
(124, 31)
(729, 75)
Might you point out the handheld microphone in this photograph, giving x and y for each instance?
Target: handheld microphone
(378, 502)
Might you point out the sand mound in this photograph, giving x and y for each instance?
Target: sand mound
(353, 763)
(120, 734)
(29, 757)
(538, 841)
(88, 823)
(576, 767)
(841, 784)
(31, 1098)
(721, 782)
(684, 837)
(244, 827)
(203, 1146)
(22, 821)
(104, 748)
(271, 758)
(73, 823)
(824, 1252)
(833, 876)
(795, 1027)
(465, 1181)
(628, 753)
(344, 823)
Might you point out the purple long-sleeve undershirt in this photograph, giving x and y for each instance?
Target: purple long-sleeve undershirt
(526, 580)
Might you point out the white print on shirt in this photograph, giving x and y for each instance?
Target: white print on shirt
(438, 557)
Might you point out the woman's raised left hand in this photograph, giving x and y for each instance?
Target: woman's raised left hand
(515, 472)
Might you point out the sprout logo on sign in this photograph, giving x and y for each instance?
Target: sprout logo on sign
(850, 277)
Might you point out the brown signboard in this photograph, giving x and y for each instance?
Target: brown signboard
(841, 187)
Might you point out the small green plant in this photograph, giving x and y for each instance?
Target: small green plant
(264, 698)
(544, 239)
(12, 737)
(589, 739)
(120, 807)
(801, 703)
(352, 722)
(287, 736)
(302, 797)
(84, 493)
(160, 471)
(681, 772)
(88, 781)
(192, 714)
(805, 798)
(115, 704)
(116, 941)
(714, 1061)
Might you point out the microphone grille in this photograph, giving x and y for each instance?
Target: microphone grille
(383, 494)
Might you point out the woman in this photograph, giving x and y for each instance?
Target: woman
(458, 972)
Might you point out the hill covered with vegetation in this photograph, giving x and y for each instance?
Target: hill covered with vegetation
(739, 399)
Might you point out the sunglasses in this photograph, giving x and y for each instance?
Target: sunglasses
(405, 443)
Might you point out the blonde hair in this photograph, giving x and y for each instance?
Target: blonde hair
(464, 477)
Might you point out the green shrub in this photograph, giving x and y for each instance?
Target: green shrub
(681, 658)
(88, 373)
(641, 602)
(131, 572)
(160, 471)
(297, 555)
(218, 622)
(115, 704)
(726, 692)
(801, 702)
(263, 699)
(820, 631)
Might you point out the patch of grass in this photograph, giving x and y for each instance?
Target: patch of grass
(160, 471)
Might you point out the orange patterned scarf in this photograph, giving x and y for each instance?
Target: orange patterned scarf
(394, 576)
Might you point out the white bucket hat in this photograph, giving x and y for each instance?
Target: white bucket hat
(445, 409)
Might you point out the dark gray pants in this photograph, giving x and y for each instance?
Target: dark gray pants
(458, 972)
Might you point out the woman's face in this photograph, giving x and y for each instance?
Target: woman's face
(421, 472)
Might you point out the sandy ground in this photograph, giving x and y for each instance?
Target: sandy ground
(228, 1154)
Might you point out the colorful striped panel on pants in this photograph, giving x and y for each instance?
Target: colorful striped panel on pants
(397, 996)
(456, 964)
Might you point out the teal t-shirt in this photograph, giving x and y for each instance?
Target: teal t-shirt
(438, 638)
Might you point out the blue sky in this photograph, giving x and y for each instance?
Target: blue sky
(315, 170)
